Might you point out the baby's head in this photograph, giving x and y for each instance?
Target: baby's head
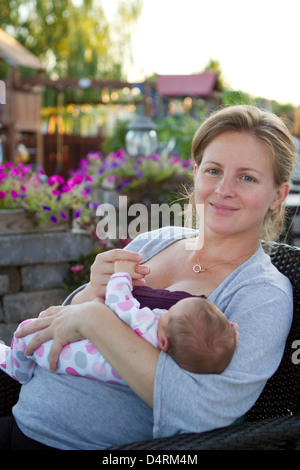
(198, 336)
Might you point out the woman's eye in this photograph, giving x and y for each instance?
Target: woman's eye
(213, 171)
(248, 178)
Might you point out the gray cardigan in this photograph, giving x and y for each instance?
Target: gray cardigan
(80, 413)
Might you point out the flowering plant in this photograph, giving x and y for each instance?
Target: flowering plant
(79, 272)
(124, 173)
(49, 200)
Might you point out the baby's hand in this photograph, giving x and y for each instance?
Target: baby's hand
(121, 266)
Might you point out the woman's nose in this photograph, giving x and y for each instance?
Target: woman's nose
(225, 187)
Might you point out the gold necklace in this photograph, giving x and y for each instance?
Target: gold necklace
(198, 268)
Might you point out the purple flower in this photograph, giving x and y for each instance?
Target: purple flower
(87, 190)
(119, 153)
(77, 213)
(46, 208)
(53, 219)
(83, 162)
(63, 215)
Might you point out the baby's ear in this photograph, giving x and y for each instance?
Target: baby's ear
(164, 343)
(236, 333)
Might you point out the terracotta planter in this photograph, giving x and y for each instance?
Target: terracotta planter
(16, 221)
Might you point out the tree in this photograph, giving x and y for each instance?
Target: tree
(215, 66)
(73, 39)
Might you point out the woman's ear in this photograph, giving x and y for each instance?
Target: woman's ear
(280, 195)
(195, 169)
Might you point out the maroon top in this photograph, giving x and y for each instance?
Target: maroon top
(159, 298)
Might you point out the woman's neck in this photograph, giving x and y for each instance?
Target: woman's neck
(220, 248)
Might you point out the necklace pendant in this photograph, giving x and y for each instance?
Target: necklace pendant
(197, 268)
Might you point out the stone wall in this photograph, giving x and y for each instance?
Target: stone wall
(32, 269)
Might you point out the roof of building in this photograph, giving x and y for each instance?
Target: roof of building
(17, 55)
(202, 84)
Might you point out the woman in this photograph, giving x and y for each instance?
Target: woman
(243, 161)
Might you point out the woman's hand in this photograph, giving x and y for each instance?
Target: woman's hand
(130, 355)
(58, 323)
(103, 268)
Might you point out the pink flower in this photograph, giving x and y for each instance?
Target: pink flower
(14, 194)
(76, 269)
(2, 194)
(78, 179)
(25, 168)
(15, 172)
(55, 179)
(112, 178)
(52, 181)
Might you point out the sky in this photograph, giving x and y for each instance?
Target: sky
(257, 43)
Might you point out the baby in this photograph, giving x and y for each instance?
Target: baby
(194, 332)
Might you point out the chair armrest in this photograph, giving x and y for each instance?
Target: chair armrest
(275, 433)
(9, 393)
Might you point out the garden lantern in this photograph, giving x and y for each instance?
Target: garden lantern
(141, 138)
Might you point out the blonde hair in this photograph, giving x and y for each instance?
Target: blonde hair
(271, 131)
(201, 339)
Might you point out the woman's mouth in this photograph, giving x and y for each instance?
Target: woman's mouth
(223, 208)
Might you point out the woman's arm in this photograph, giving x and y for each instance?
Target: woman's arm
(132, 357)
(217, 400)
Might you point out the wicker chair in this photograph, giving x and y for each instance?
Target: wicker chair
(274, 420)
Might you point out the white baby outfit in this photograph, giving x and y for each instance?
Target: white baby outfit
(82, 358)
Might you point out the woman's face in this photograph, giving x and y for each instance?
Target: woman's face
(235, 183)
